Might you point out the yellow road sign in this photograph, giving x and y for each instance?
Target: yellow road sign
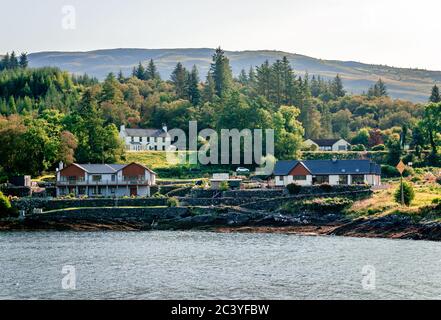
(400, 167)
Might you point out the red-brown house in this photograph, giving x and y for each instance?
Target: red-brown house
(108, 180)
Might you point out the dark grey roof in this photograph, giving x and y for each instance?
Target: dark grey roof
(318, 167)
(146, 133)
(325, 142)
(101, 168)
(283, 167)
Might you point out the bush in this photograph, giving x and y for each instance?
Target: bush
(379, 147)
(224, 186)
(6, 209)
(438, 179)
(388, 171)
(358, 147)
(172, 202)
(293, 188)
(325, 187)
(409, 193)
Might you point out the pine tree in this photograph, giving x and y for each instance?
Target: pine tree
(277, 82)
(11, 105)
(263, 79)
(435, 96)
(243, 78)
(139, 72)
(209, 89)
(337, 87)
(194, 95)
(151, 73)
(179, 78)
(121, 78)
(5, 62)
(220, 71)
(379, 89)
(252, 78)
(13, 62)
(23, 62)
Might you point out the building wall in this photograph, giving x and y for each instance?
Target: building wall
(308, 143)
(280, 181)
(145, 143)
(340, 143)
(334, 180)
(103, 191)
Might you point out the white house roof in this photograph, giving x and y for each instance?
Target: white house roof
(145, 133)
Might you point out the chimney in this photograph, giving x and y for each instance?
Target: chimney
(164, 127)
(122, 128)
(60, 165)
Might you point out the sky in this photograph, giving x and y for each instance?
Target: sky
(402, 33)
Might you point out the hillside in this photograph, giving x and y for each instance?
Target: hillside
(409, 84)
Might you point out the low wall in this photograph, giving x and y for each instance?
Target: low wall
(274, 204)
(28, 204)
(97, 215)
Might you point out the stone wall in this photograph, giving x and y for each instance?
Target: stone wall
(28, 204)
(274, 204)
(97, 215)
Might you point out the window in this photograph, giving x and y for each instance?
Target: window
(320, 179)
(140, 139)
(299, 178)
(343, 179)
(96, 178)
(357, 179)
(113, 177)
(112, 190)
(341, 148)
(133, 139)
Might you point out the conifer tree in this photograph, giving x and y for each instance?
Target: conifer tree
(179, 78)
(435, 96)
(220, 71)
(194, 95)
(23, 62)
(151, 73)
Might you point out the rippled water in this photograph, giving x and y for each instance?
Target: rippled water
(204, 265)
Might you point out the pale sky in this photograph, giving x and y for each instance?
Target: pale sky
(403, 33)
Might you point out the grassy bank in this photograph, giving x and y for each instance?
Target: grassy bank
(382, 203)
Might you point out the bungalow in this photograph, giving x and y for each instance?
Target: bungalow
(333, 172)
(109, 180)
(328, 144)
(145, 139)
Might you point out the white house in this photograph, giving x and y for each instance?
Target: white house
(333, 172)
(145, 139)
(109, 180)
(328, 144)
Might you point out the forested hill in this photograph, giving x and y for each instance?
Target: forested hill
(409, 84)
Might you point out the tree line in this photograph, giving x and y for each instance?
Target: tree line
(80, 115)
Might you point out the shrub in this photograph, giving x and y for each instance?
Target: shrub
(5, 206)
(172, 202)
(438, 179)
(379, 147)
(293, 188)
(408, 192)
(358, 147)
(325, 187)
(436, 201)
(224, 186)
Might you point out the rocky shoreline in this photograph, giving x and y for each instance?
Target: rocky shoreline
(229, 220)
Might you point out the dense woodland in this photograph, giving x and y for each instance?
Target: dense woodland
(47, 115)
